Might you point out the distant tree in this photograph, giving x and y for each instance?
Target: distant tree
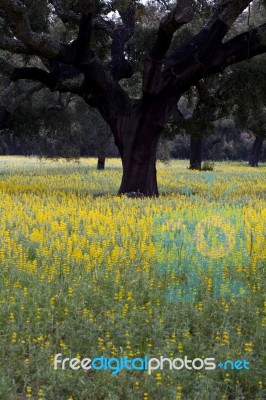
(256, 151)
(239, 91)
(38, 122)
(250, 109)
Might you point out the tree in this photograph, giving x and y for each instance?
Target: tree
(195, 115)
(250, 109)
(17, 99)
(256, 151)
(73, 66)
(238, 96)
(37, 122)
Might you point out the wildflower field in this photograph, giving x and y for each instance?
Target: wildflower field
(86, 273)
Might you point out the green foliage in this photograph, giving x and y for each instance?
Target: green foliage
(47, 129)
(138, 47)
(38, 14)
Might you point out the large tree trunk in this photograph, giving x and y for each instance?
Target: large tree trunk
(255, 152)
(137, 135)
(195, 152)
(139, 175)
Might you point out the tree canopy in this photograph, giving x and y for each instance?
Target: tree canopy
(75, 47)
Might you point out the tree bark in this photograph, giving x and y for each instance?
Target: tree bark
(136, 136)
(255, 152)
(4, 117)
(101, 163)
(195, 152)
(140, 177)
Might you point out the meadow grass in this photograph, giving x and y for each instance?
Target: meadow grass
(86, 273)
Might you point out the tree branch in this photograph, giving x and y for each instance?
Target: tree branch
(23, 97)
(68, 83)
(97, 81)
(119, 66)
(65, 16)
(98, 23)
(225, 14)
(182, 13)
(13, 45)
(86, 60)
(39, 44)
(242, 47)
(190, 62)
(227, 11)
(83, 50)
(35, 74)
(7, 91)
(62, 77)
